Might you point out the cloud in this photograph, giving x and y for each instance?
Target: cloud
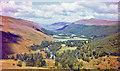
(45, 13)
(106, 16)
(101, 7)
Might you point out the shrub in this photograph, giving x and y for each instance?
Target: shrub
(19, 63)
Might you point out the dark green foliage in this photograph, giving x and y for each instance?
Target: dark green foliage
(66, 58)
(38, 63)
(96, 56)
(48, 55)
(118, 59)
(34, 47)
(63, 65)
(43, 63)
(12, 57)
(32, 59)
(19, 63)
(30, 62)
(119, 68)
(86, 59)
(43, 45)
(56, 63)
(104, 59)
(74, 43)
(52, 57)
(108, 61)
(55, 47)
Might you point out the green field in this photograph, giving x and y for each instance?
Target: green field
(72, 39)
(66, 48)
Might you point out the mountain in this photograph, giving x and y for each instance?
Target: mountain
(57, 26)
(91, 27)
(18, 34)
(93, 21)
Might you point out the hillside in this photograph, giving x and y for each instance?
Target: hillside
(57, 26)
(109, 45)
(90, 30)
(17, 34)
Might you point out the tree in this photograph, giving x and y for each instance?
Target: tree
(30, 62)
(19, 63)
(63, 65)
(17, 56)
(52, 57)
(96, 56)
(56, 63)
(43, 63)
(12, 57)
(38, 63)
(48, 55)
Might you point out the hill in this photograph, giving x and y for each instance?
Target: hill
(57, 26)
(108, 45)
(87, 27)
(93, 21)
(90, 30)
(18, 34)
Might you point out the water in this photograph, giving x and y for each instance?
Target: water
(52, 54)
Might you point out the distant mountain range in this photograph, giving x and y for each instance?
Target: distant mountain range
(18, 34)
(57, 26)
(90, 27)
(93, 21)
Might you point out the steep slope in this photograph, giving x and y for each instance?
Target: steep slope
(18, 34)
(109, 45)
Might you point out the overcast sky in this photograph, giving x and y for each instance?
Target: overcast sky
(60, 11)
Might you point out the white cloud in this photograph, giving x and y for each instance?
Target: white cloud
(106, 16)
(69, 12)
(71, 6)
(100, 7)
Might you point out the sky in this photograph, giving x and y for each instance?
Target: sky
(46, 12)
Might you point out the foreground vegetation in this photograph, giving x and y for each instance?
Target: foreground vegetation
(74, 54)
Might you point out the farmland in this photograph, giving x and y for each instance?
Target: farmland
(66, 37)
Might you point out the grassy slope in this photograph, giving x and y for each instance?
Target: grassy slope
(65, 48)
(103, 63)
(110, 44)
(19, 34)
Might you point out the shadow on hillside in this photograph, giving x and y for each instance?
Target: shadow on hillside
(7, 39)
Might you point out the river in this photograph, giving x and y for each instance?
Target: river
(52, 54)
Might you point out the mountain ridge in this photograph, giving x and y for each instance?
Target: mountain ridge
(94, 21)
(98, 22)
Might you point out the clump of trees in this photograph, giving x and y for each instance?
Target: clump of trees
(43, 45)
(32, 60)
